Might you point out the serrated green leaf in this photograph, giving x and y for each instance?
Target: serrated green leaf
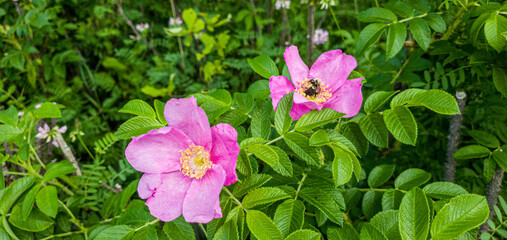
(319, 138)
(376, 14)
(368, 36)
(316, 118)
(300, 145)
(484, 138)
(405, 97)
(136, 126)
(263, 196)
(380, 174)
(29, 200)
(261, 226)
(344, 233)
(436, 22)
(259, 89)
(47, 110)
(12, 193)
(264, 66)
(413, 177)
(342, 167)
(283, 120)
(471, 151)
(387, 223)
(500, 80)
(500, 158)
(179, 229)
(376, 100)
(9, 116)
(396, 35)
(369, 232)
(245, 101)
(249, 141)
(374, 129)
(252, 182)
(289, 216)
(443, 190)
(421, 32)
(160, 108)
(461, 214)
(284, 166)
(118, 232)
(8, 132)
(47, 201)
(391, 199)
(352, 131)
(436, 100)
(493, 27)
(264, 153)
(371, 204)
(414, 215)
(138, 107)
(304, 234)
(324, 202)
(35, 222)
(489, 168)
(57, 169)
(260, 124)
(146, 233)
(227, 231)
(401, 124)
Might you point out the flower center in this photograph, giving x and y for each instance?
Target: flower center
(314, 90)
(195, 162)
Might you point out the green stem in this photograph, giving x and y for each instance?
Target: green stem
(85, 147)
(17, 173)
(379, 190)
(300, 184)
(400, 71)
(67, 209)
(58, 184)
(338, 25)
(203, 230)
(234, 198)
(37, 156)
(147, 224)
(61, 235)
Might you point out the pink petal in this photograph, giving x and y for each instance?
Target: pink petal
(299, 99)
(55, 143)
(298, 110)
(148, 184)
(297, 68)
(225, 150)
(185, 115)
(279, 86)
(199, 204)
(62, 129)
(41, 135)
(158, 150)
(167, 200)
(46, 127)
(333, 68)
(348, 98)
(218, 210)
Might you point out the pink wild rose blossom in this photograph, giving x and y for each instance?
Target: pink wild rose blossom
(186, 164)
(324, 85)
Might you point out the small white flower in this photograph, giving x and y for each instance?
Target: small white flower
(282, 4)
(320, 36)
(141, 27)
(175, 21)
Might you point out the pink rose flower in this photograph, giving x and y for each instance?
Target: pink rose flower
(186, 164)
(324, 85)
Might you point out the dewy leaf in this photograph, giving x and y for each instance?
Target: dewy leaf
(484, 138)
(376, 100)
(495, 25)
(421, 32)
(47, 201)
(136, 126)
(35, 222)
(471, 151)
(461, 214)
(179, 229)
(401, 124)
(261, 226)
(322, 200)
(342, 167)
(47, 110)
(387, 223)
(413, 177)
(368, 36)
(346, 232)
(300, 145)
(443, 190)
(263, 196)
(369, 232)
(283, 120)
(437, 101)
(396, 36)
(264, 153)
(436, 22)
(305, 234)
(374, 129)
(264, 66)
(414, 215)
(11, 193)
(316, 118)
(500, 80)
(138, 107)
(289, 216)
(376, 14)
(380, 174)
(405, 97)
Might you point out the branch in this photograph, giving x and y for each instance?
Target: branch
(311, 28)
(453, 138)
(494, 187)
(68, 153)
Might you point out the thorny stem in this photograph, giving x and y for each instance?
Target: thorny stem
(234, 199)
(300, 184)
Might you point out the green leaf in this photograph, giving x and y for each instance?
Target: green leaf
(396, 35)
(436, 22)
(300, 145)
(421, 32)
(372, 203)
(501, 159)
(264, 66)
(138, 107)
(263, 196)
(289, 216)
(369, 232)
(414, 215)
(260, 124)
(47, 201)
(304, 234)
(489, 168)
(471, 151)
(461, 214)
(316, 118)
(284, 166)
(227, 231)
(160, 108)
(252, 182)
(118, 232)
(283, 120)
(410, 178)
(136, 126)
(437, 101)
(323, 200)
(249, 141)
(352, 131)
(264, 153)
(146, 233)
(401, 124)
(259, 89)
(484, 138)
(477, 25)
(380, 174)
(405, 97)
(9, 116)
(368, 36)
(245, 101)
(179, 229)
(443, 190)
(376, 14)
(261, 226)
(495, 25)
(346, 232)
(376, 100)
(12, 193)
(391, 199)
(500, 80)
(57, 169)
(374, 129)
(319, 138)
(342, 167)
(29, 200)
(387, 223)
(8, 132)
(234, 117)
(47, 110)
(35, 222)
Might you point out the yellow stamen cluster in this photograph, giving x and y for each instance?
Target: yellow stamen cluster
(195, 162)
(314, 90)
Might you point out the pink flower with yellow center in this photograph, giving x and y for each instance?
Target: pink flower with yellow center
(324, 85)
(186, 164)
